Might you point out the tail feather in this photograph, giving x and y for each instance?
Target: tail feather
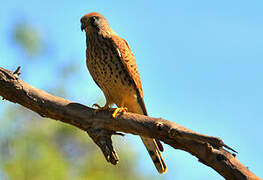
(159, 144)
(153, 146)
(155, 154)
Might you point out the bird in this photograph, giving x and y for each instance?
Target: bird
(112, 66)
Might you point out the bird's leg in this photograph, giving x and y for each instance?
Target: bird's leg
(120, 109)
(107, 107)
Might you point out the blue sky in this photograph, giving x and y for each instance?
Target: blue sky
(200, 64)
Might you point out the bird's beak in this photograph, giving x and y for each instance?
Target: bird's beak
(82, 26)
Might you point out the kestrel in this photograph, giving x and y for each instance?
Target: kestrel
(112, 65)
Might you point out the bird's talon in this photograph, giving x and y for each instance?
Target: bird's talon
(121, 109)
(97, 106)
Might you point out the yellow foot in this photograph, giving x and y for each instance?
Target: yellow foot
(121, 109)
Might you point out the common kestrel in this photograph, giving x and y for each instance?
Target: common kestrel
(112, 65)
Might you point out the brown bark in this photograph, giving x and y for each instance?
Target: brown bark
(100, 127)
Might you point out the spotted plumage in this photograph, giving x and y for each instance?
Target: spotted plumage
(112, 65)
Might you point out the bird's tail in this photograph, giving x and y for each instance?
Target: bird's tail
(155, 154)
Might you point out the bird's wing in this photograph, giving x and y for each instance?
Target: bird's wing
(127, 58)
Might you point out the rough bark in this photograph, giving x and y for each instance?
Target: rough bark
(101, 126)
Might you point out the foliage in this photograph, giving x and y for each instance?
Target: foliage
(28, 38)
(46, 149)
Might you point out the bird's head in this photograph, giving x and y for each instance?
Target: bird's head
(94, 21)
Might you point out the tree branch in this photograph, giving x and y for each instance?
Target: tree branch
(100, 127)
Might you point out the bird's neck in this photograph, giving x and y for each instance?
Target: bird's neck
(106, 33)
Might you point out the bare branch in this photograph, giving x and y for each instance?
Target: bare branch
(209, 150)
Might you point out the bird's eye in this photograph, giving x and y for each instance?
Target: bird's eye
(93, 20)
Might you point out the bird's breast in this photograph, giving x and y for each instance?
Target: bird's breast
(108, 71)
